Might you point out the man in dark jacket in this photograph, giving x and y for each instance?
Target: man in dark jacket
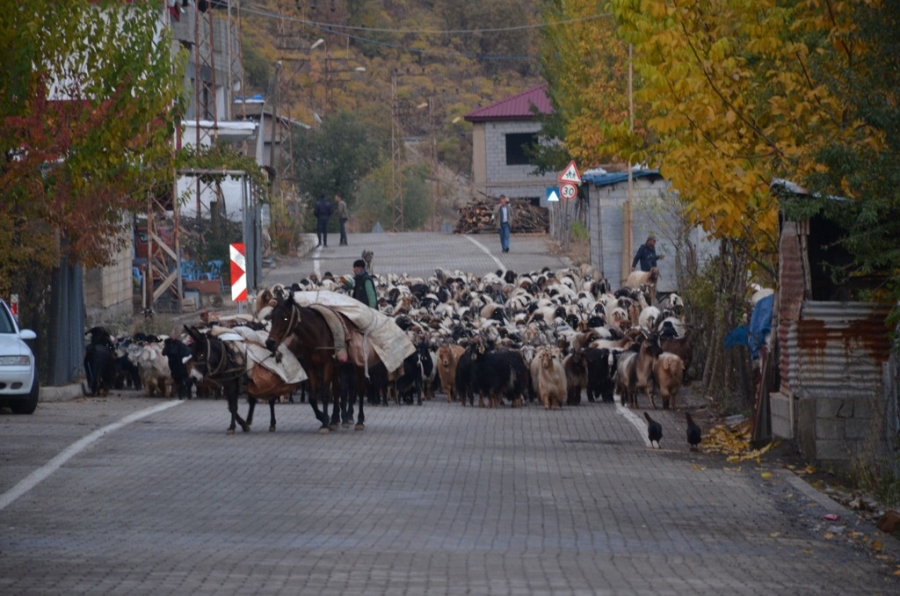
(363, 285)
(322, 211)
(646, 255)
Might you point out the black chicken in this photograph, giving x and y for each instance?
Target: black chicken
(693, 433)
(654, 430)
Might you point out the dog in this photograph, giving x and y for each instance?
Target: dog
(367, 256)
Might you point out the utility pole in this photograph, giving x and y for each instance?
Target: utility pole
(437, 199)
(272, 163)
(627, 219)
(397, 223)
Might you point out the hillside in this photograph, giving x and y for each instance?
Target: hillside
(435, 53)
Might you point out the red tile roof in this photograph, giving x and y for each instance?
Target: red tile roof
(517, 107)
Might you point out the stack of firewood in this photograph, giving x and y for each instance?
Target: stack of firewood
(475, 217)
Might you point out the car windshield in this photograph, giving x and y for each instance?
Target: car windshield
(6, 322)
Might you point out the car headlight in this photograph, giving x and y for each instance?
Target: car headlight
(15, 361)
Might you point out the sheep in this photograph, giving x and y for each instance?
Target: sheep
(549, 377)
(669, 374)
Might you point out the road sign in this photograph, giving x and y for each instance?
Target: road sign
(570, 174)
(568, 191)
(552, 194)
(238, 272)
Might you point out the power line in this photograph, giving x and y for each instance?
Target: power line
(332, 27)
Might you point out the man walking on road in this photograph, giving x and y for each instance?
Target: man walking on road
(343, 213)
(322, 211)
(503, 221)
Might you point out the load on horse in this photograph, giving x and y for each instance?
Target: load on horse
(325, 329)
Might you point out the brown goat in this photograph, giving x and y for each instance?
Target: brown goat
(576, 376)
(681, 346)
(447, 357)
(669, 374)
(549, 377)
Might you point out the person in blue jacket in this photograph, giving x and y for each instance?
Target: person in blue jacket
(646, 255)
(322, 211)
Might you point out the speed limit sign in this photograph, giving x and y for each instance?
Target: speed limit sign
(568, 191)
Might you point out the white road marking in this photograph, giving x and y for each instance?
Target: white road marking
(486, 251)
(42, 473)
(633, 418)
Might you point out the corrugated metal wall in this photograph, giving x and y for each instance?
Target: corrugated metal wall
(791, 292)
(835, 350)
(66, 325)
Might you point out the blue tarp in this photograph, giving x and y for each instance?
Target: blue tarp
(754, 336)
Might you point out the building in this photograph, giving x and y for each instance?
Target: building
(501, 135)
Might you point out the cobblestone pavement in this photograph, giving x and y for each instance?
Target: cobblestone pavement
(437, 499)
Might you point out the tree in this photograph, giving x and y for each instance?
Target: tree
(333, 158)
(90, 95)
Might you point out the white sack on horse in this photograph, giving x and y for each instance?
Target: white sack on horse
(389, 341)
(253, 344)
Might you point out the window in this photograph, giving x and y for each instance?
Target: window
(518, 146)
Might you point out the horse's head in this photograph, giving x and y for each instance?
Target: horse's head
(284, 318)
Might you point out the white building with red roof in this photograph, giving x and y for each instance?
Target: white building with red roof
(500, 137)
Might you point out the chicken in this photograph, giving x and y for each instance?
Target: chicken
(654, 430)
(693, 433)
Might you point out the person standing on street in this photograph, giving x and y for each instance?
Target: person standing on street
(503, 220)
(343, 213)
(646, 255)
(322, 211)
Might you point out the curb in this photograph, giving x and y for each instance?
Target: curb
(59, 393)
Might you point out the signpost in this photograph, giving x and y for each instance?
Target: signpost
(568, 190)
(552, 194)
(238, 272)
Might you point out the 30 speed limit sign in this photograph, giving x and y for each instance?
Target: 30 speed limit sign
(568, 191)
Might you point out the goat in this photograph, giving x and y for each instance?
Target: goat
(680, 346)
(669, 374)
(576, 376)
(549, 377)
(447, 357)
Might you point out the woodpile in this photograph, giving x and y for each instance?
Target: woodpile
(475, 217)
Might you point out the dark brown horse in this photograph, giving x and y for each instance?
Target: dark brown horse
(307, 335)
(215, 361)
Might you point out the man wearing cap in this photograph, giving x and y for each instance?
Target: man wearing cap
(646, 255)
(503, 220)
(363, 285)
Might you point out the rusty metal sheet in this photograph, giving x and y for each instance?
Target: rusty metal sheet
(836, 350)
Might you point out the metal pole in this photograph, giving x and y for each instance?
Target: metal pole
(274, 118)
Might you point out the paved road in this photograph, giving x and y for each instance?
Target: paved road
(130, 495)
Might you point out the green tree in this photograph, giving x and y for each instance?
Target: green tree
(89, 95)
(333, 158)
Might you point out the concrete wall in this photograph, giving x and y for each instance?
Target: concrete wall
(491, 174)
(606, 229)
(108, 292)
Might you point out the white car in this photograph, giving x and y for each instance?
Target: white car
(19, 387)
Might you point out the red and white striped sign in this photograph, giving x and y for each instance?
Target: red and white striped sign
(238, 272)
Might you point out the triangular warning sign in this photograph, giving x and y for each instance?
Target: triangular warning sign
(553, 197)
(570, 174)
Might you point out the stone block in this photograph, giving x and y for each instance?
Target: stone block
(864, 407)
(828, 429)
(806, 426)
(833, 450)
(782, 407)
(859, 428)
(834, 408)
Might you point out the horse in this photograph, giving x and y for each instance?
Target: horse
(215, 362)
(308, 336)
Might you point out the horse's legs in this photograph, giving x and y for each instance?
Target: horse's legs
(231, 393)
(331, 383)
(322, 417)
(272, 415)
(347, 392)
(250, 409)
(360, 390)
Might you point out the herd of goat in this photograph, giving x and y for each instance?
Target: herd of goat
(547, 336)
